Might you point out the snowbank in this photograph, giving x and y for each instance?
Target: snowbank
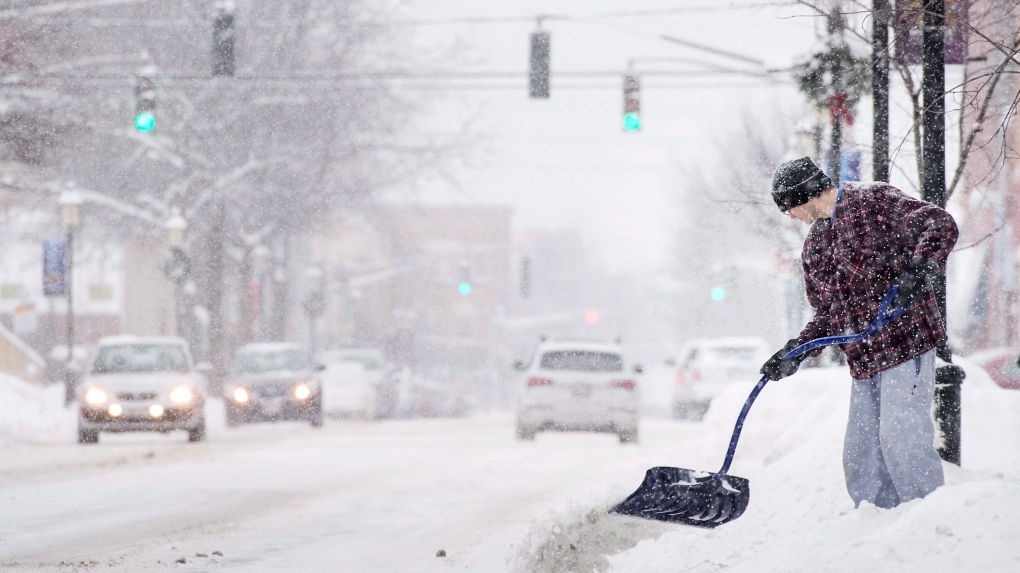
(800, 517)
(33, 413)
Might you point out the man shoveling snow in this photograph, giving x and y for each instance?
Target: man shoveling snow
(863, 239)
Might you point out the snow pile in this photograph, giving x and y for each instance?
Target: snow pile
(33, 413)
(801, 518)
(579, 538)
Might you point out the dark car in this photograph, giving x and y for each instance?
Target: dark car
(272, 382)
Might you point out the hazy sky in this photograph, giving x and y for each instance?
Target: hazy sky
(565, 161)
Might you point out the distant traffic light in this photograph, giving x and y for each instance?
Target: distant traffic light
(464, 286)
(223, 40)
(539, 70)
(718, 294)
(525, 277)
(145, 105)
(591, 317)
(631, 104)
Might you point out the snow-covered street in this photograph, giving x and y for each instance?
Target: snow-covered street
(353, 496)
(387, 496)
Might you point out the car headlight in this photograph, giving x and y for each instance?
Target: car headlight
(181, 394)
(116, 410)
(241, 395)
(156, 411)
(302, 391)
(95, 396)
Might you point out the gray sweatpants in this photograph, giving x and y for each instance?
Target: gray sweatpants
(888, 452)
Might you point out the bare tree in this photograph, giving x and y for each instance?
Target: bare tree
(302, 128)
(991, 21)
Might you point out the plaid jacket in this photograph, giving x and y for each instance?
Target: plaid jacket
(849, 266)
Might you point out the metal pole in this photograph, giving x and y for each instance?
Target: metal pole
(217, 344)
(836, 141)
(69, 381)
(933, 188)
(177, 310)
(880, 87)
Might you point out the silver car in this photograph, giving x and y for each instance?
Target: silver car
(141, 384)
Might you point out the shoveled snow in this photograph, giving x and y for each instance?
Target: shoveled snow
(30, 412)
(800, 517)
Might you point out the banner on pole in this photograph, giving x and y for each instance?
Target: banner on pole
(54, 278)
(909, 31)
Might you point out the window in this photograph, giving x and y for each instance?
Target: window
(256, 362)
(140, 358)
(582, 361)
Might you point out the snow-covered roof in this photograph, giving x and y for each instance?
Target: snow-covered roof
(270, 347)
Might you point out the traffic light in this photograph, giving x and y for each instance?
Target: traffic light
(718, 294)
(591, 317)
(223, 40)
(631, 104)
(464, 286)
(145, 105)
(539, 74)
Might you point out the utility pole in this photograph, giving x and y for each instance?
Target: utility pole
(880, 15)
(838, 98)
(933, 189)
(217, 345)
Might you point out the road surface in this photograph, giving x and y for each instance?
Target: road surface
(352, 496)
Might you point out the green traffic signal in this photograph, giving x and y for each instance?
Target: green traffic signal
(464, 288)
(631, 122)
(718, 294)
(145, 121)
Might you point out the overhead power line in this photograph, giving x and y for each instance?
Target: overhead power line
(711, 50)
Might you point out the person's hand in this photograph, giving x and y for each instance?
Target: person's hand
(776, 368)
(912, 282)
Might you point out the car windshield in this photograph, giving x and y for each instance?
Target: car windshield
(256, 362)
(371, 362)
(140, 358)
(582, 361)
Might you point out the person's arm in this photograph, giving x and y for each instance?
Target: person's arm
(935, 233)
(934, 228)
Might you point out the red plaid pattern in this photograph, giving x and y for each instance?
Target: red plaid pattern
(848, 268)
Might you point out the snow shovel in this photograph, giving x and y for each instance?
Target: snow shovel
(708, 500)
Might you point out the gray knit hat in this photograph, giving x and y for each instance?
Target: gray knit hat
(797, 182)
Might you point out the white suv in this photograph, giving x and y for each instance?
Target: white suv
(578, 386)
(709, 365)
(141, 384)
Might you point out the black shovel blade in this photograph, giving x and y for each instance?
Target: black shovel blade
(684, 496)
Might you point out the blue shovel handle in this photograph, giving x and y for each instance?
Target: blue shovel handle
(885, 316)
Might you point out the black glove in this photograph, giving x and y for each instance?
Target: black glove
(912, 282)
(776, 368)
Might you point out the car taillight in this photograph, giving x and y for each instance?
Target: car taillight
(625, 384)
(680, 378)
(539, 381)
(696, 375)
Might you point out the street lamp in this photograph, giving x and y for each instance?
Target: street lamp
(70, 214)
(315, 302)
(261, 262)
(177, 266)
